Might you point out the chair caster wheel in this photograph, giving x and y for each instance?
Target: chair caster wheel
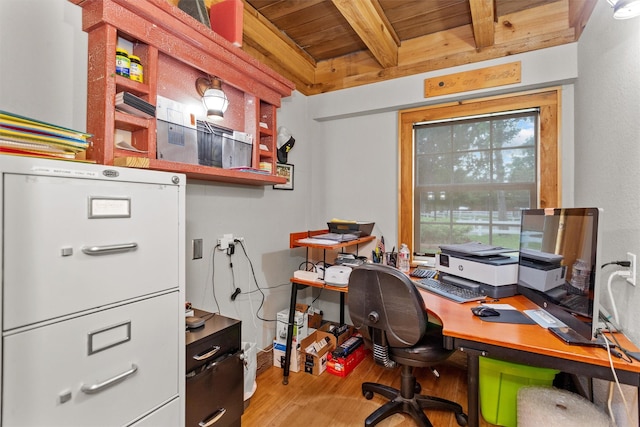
(417, 388)
(368, 395)
(462, 419)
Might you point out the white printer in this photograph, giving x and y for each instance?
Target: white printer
(493, 270)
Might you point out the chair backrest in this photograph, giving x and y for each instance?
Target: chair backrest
(383, 298)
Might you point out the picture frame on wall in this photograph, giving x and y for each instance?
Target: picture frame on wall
(285, 171)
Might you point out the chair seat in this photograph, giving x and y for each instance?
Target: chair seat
(427, 352)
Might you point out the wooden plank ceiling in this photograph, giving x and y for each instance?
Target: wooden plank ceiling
(327, 45)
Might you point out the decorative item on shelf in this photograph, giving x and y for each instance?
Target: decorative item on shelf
(285, 143)
(214, 99)
(285, 171)
(625, 9)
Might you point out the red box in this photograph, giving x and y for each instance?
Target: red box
(342, 366)
(226, 20)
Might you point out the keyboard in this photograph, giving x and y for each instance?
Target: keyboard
(423, 273)
(447, 290)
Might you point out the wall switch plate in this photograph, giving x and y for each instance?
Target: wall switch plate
(196, 245)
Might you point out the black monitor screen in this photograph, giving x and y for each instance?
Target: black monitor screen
(558, 264)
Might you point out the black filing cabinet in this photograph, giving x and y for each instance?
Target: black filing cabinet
(215, 373)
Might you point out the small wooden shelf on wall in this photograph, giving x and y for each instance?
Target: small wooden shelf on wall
(174, 50)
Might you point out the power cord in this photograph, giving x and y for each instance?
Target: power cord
(617, 273)
(617, 382)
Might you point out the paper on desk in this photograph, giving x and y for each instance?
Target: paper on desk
(500, 306)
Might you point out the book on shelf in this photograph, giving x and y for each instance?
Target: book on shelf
(38, 126)
(129, 103)
(22, 132)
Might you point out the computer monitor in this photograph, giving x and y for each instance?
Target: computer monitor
(558, 266)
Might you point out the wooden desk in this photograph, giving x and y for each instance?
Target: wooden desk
(527, 344)
(294, 242)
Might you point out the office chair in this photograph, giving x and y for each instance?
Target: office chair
(391, 316)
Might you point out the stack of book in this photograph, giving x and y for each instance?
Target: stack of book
(129, 103)
(28, 137)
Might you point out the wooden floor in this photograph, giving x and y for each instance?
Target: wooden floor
(327, 400)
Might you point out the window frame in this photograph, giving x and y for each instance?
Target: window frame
(548, 151)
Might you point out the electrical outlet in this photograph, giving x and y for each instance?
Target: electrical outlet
(223, 242)
(632, 268)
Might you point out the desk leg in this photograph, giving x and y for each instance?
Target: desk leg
(473, 391)
(287, 352)
(342, 308)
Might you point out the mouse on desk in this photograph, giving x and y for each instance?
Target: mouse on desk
(484, 311)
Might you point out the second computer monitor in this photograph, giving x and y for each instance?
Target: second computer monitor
(558, 265)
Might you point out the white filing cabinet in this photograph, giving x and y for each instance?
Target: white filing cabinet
(92, 295)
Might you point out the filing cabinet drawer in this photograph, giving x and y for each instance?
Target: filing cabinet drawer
(69, 370)
(76, 244)
(166, 416)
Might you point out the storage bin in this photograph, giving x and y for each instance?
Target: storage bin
(209, 144)
(235, 153)
(499, 384)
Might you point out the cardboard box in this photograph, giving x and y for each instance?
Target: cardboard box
(300, 328)
(334, 328)
(314, 319)
(342, 366)
(279, 350)
(315, 351)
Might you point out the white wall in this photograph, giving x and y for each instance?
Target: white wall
(264, 217)
(359, 138)
(608, 143)
(44, 61)
(607, 156)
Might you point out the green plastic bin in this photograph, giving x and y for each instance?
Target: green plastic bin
(499, 385)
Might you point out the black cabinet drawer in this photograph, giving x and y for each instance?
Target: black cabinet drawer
(219, 336)
(215, 393)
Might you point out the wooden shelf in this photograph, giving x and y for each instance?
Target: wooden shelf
(295, 237)
(174, 49)
(319, 284)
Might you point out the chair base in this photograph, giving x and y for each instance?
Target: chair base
(407, 402)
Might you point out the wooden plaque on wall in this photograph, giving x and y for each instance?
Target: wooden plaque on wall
(482, 78)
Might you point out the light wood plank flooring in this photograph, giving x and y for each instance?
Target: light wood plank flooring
(331, 401)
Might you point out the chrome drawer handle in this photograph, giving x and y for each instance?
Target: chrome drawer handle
(213, 419)
(96, 388)
(109, 249)
(207, 354)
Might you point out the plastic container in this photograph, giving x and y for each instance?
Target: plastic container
(123, 62)
(135, 69)
(499, 385)
(403, 259)
(580, 276)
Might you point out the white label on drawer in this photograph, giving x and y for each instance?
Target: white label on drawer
(109, 207)
(65, 172)
(108, 337)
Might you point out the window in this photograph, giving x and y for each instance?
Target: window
(466, 169)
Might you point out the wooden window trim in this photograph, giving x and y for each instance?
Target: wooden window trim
(549, 171)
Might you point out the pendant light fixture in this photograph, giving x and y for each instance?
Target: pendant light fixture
(625, 9)
(214, 99)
